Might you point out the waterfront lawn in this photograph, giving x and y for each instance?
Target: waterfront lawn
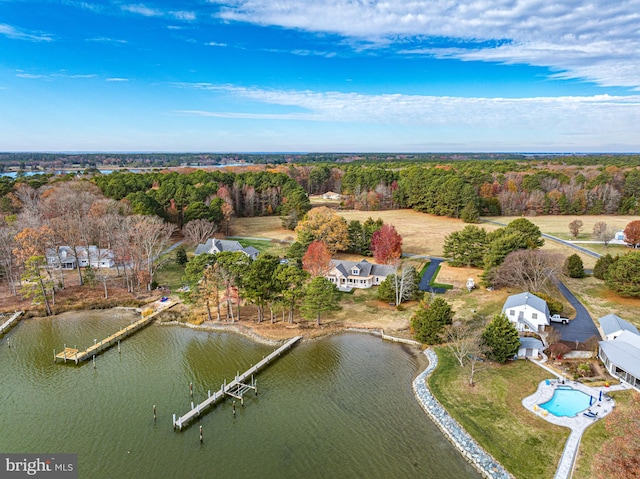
(170, 275)
(492, 413)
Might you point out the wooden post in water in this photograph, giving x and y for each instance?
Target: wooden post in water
(9, 342)
(118, 346)
(54, 355)
(174, 420)
(200, 434)
(154, 413)
(94, 361)
(191, 390)
(234, 408)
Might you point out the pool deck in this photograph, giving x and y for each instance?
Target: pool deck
(578, 423)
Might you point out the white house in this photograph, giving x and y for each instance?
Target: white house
(214, 246)
(350, 274)
(527, 311)
(65, 257)
(613, 326)
(330, 195)
(530, 347)
(621, 356)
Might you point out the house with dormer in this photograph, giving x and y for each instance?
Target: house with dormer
(347, 275)
(527, 311)
(65, 257)
(214, 246)
(613, 326)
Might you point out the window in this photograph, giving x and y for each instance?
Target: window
(512, 312)
(534, 315)
(355, 271)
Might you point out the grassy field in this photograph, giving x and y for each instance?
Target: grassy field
(492, 413)
(596, 435)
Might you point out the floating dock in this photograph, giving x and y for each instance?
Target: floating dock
(235, 388)
(73, 354)
(10, 322)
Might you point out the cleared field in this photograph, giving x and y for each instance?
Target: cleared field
(558, 225)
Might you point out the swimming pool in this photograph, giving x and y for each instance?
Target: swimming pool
(567, 401)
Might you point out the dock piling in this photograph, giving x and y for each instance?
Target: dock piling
(154, 413)
(191, 389)
(234, 408)
(200, 434)
(94, 361)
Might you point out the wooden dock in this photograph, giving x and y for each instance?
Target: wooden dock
(235, 388)
(13, 319)
(73, 354)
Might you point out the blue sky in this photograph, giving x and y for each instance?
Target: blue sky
(321, 75)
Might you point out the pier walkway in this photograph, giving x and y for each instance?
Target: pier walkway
(73, 354)
(10, 322)
(235, 388)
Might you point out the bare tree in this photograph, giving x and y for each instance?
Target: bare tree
(530, 270)
(199, 231)
(405, 284)
(7, 258)
(150, 235)
(464, 340)
(574, 227)
(602, 232)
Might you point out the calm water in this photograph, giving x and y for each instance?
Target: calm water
(339, 407)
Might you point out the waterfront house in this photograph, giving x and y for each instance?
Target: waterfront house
(347, 275)
(621, 357)
(214, 246)
(65, 257)
(613, 326)
(527, 311)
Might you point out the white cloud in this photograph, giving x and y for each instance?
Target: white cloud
(598, 40)
(142, 10)
(587, 118)
(30, 75)
(106, 40)
(17, 34)
(185, 16)
(116, 79)
(216, 44)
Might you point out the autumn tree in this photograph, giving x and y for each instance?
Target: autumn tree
(324, 225)
(501, 339)
(400, 286)
(602, 232)
(530, 270)
(430, 319)
(320, 296)
(317, 260)
(386, 244)
(199, 231)
(619, 456)
(7, 259)
(231, 267)
(150, 236)
(574, 228)
(35, 286)
(632, 233)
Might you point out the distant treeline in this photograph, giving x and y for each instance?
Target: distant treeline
(46, 161)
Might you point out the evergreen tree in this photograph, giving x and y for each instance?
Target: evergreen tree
(466, 247)
(470, 213)
(320, 296)
(573, 266)
(429, 321)
(181, 256)
(624, 275)
(501, 339)
(531, 232)
(601, 269)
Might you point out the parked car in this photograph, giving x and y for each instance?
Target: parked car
(556, 318)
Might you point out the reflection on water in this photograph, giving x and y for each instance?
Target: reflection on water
(337, 407)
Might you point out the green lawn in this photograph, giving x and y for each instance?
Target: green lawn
(492, 413)
(170, 274)
(275, 248)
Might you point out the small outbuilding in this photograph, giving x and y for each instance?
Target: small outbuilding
(530, 348)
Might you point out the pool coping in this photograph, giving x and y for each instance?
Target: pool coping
(578, 423)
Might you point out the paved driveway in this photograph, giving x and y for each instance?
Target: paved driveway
(428, 274)
(582, 327)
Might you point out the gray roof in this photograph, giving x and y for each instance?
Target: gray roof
(250, 250)
(204, 248)
(366, 268)
(531, 343)
(612, 324)
(528, 299)
(624, 352)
